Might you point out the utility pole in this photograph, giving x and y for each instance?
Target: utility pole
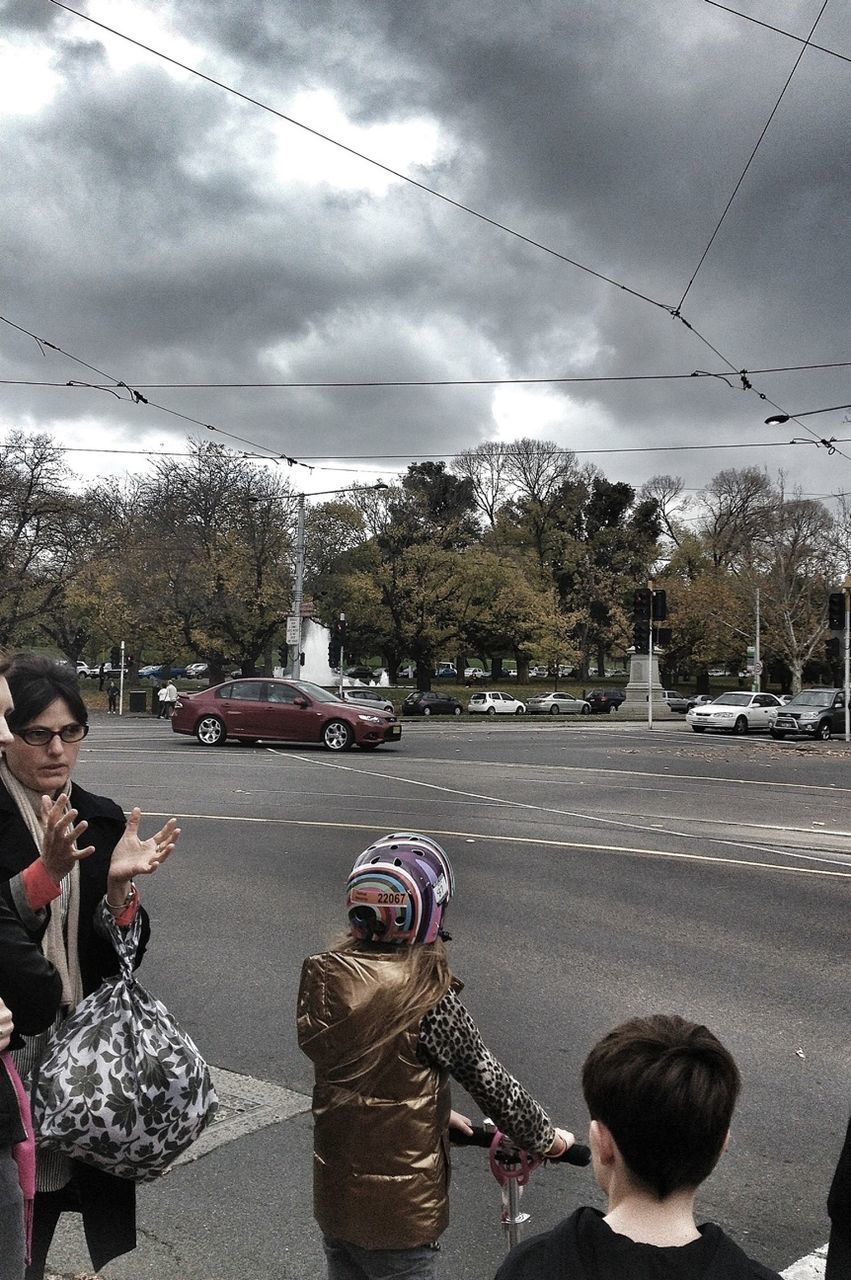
(757, 661)
(298, 591)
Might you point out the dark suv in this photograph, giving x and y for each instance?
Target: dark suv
(817, 713)
(605, 699)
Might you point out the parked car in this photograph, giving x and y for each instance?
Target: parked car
(158, 673)
(673, 701)
(539, 673)
(814, 713)
(84, 670)
(360, 673)
(368, 697)
(475, 673)
(734, 713)
(271, 710)
(558, 704)
(446, 671)
(197, 670)
(607, 700)
(494, 703)
(700, 700)
(431, 703)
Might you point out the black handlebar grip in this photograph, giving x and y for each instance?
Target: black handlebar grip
(578, 1154)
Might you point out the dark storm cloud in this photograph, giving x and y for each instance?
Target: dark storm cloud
(155, 231)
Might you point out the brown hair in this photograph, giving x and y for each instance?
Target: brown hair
(666, 1089)
(427, 980)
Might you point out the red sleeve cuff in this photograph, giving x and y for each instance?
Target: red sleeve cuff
(128, 915)
(39, 885)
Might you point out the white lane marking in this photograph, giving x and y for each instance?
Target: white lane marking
(485, 836)
(646, 828)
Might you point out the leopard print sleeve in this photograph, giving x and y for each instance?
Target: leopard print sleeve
(449, 1040)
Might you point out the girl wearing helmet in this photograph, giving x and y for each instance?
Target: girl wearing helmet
(380, 1018)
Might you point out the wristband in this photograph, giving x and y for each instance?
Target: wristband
(121, 906)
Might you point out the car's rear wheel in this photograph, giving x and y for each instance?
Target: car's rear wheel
(824, 730)
(426, 711)
(611, 707)
(777, 733)
(555, 709)
(586, 711)
(456, 711)
(337, 735)
(210, 731)
(741, 726)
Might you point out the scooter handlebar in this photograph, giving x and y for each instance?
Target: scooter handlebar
(578, 1154)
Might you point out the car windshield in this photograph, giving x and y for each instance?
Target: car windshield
(314, 691)
(812, 698)
(732, 700)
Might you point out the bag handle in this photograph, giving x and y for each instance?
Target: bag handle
(125, 941)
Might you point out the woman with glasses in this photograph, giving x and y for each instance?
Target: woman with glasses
(48, 725)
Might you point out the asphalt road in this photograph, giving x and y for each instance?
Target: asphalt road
(603, 871)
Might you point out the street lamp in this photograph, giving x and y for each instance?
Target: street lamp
(777, 419)
(298, 588)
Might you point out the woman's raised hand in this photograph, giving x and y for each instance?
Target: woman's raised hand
(133, 856)
(61, 831)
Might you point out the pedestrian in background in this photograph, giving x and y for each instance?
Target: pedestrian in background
(168, 698)
(112, 696)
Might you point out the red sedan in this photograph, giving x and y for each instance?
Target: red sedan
(255, 709)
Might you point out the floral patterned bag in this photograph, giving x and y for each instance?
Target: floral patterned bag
(121, 1086)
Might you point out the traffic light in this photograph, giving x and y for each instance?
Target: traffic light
(641, 636)
(337, 643)
(660, 606)
(663, 637)
(836, 611)
(642, 604)
(833, 649)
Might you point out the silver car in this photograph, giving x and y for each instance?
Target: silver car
(557, 704)
(368, 697)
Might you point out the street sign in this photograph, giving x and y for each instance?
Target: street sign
(293, 630)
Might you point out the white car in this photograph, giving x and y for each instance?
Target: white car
(556, 704)
(495, 704)
(734, 713)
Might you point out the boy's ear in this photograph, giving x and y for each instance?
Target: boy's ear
(602, 1142)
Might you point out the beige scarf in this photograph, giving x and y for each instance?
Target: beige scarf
(59, 943)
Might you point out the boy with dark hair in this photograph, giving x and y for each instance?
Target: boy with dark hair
(661, 1093)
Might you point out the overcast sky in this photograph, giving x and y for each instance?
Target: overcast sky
(168, 232)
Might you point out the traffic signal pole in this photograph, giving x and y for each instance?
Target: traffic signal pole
(298, 589)
(650, 666)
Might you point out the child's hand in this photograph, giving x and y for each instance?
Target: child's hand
(462, 1123)
(7, 1026)
(563, 1139)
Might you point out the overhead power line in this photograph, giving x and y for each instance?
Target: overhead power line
(428, 382)
(800, 39)
(750, 159)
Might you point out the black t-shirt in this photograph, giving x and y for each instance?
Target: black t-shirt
(584, 1247)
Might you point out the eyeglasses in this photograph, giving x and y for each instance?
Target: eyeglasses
(39, 737)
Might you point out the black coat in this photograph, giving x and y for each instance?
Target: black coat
(31, 988)
(107, 1203)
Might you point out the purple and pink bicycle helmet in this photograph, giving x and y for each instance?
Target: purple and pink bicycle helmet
(398, 890)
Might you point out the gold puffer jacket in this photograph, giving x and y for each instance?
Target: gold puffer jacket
(381, 1155)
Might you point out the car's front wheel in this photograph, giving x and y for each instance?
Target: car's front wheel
(824, 730)
(555, 709)
(210, 731)
(426, 711)
(457, 711)
(586, 710)
(337, 735)
(741, 726)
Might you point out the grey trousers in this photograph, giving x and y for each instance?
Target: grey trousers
(11, 1219)
(350, 1262)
